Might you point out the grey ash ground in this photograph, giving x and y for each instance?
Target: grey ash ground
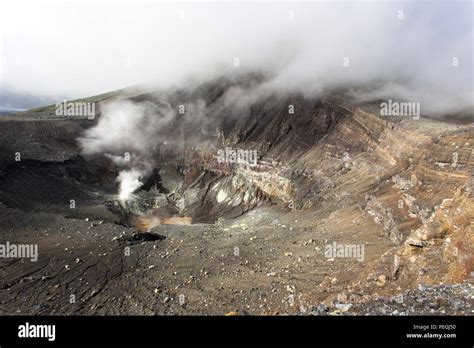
(344, 169)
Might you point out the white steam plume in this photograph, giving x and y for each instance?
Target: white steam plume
(129, 182)
(126, 133)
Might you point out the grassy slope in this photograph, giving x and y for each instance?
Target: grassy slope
(93, 99)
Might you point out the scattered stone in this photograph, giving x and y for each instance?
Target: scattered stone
(343, 307)
(398, 299)
(342, 297)
(381, 279)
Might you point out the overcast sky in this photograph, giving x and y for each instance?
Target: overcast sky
(84, 48)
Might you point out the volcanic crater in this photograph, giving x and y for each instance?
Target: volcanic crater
(233, 236)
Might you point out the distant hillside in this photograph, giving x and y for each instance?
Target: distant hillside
(93, 99)
(11, 103)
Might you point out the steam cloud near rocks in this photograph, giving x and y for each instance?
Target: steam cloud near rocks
(126, 134)
(129, 183)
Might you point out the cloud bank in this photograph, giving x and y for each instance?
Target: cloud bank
(415, 51)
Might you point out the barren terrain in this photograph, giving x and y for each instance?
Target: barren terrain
(332, 172)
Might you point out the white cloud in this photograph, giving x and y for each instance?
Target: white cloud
(80, 49)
